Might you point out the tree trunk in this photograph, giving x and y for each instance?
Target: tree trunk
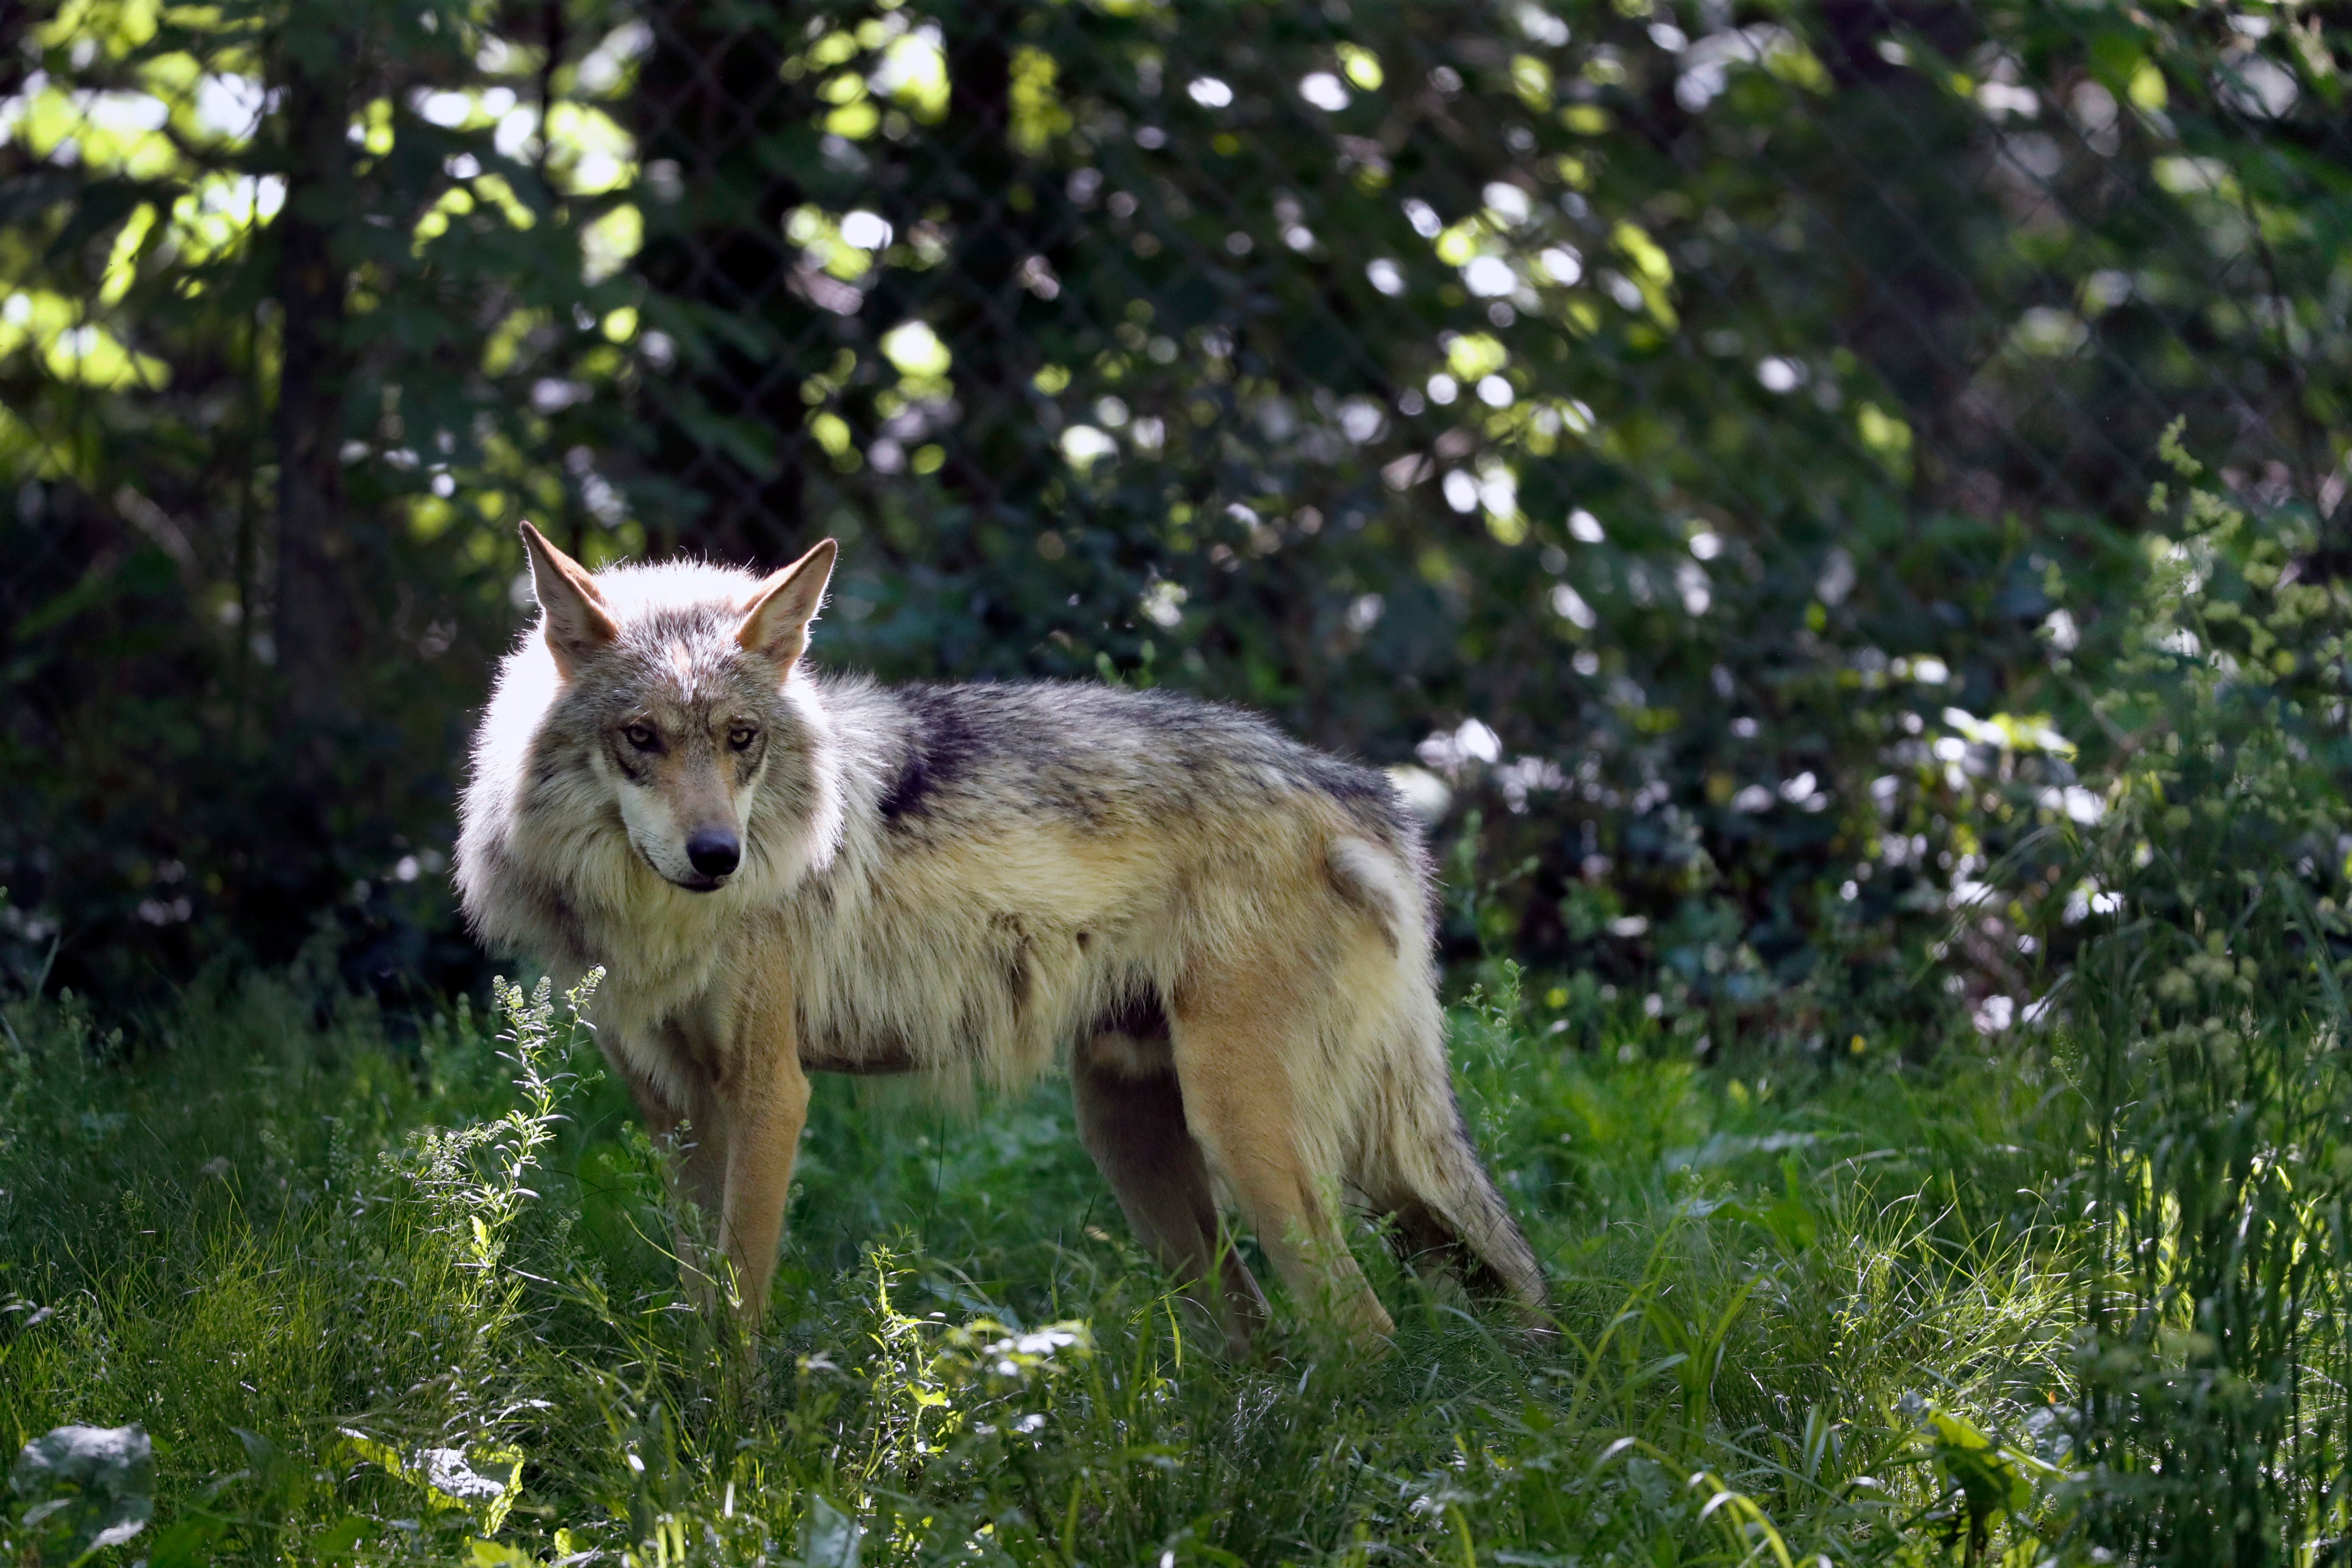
(991, 461)
(314, 621)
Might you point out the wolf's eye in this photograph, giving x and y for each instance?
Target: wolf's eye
(741, 736)
(641, 736)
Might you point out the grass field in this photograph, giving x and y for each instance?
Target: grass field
(1791, 1296)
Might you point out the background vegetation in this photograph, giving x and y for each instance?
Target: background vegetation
(1836, 512)
(1680, 431)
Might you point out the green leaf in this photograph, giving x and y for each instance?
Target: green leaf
(830, 1538)
(1989, 1477)
(335, 1542)
(186, 1544)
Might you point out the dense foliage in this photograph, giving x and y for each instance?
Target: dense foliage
(1690, 433)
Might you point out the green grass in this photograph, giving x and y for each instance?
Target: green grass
(1770, 1280)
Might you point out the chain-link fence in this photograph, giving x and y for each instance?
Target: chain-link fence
(1694, 437)
(2028, 236)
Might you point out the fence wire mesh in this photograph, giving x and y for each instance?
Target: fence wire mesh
(2023, 237)
(1645, 418)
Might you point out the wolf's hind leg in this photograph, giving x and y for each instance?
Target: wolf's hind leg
(1232, 1032)
(1132, 1120)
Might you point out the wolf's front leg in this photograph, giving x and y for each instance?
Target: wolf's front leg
(767, 1099)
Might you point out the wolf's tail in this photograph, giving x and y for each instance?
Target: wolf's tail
(1454, 1206)
(1439, 1189)
(1413, 1156)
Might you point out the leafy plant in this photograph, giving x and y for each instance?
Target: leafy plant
(1011, 1383)
(78, 1490)
(2206, 1017)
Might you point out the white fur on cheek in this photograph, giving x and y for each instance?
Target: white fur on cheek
(658, 822)
(741, 796)
(653, 828)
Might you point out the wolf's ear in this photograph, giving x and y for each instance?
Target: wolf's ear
(577, 621)
(776, 625)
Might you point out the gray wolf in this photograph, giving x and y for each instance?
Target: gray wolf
(1224, 935)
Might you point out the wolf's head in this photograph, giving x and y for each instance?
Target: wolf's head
(675, 698)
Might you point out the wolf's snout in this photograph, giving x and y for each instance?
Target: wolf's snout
(714, 851)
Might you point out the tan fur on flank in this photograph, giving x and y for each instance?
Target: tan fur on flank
(1223, 933)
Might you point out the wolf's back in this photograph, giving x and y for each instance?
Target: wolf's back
(1103, 756)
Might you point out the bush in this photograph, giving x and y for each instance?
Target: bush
(2208, 1020)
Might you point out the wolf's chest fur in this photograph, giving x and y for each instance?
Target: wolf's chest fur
(988, 954)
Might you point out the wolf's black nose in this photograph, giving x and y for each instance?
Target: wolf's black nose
(713, 851)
